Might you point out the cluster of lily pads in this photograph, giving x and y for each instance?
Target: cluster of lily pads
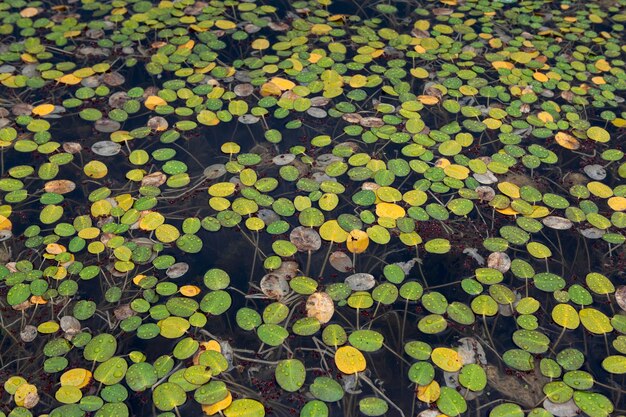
(312, 208)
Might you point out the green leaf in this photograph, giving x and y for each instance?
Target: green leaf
(473, 377)
(168, 396)
(290, 374)
(615, 364)
(211, 393)
(451, 402)
(141, 376)
(245, 408)
(111, 371)
(100, 348)
(593, 404)
(439, 246)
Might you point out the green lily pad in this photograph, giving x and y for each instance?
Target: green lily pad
(326, 389)
(168, 396)
(141, 376)
(245, 408)
(101, 348)
(373, 406)
(290, 374)
(593, 404)
(211, 393)
(111, 371)
(451, 402)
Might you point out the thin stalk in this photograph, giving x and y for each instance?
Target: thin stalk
(330, 246)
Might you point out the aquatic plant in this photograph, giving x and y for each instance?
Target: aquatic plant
(312, 208)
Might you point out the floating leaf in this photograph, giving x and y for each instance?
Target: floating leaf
(439, 246)
(593, 404)
(101, 348)
(168, 396)
(320, 305)
(66, 395)
(290, 374)
(326, 389)
(211, 393)
(111, 371)
(473, 377)
(349, 360)
(567, 141)
(429, 393)
(447, 359)
(595, 321)
(173, 327)
(141, 376)
(451, 402)
(565, 316)
(245, 408)
(77, 377)
(615, 364)
(598, 134)
(373, 406)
